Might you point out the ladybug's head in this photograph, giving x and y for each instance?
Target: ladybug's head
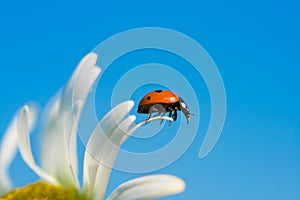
(185, 109)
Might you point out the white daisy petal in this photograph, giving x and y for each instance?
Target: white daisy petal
(70, 141)
(9, 144)
(84, 82)
(119, 136)
(5, 182)
(25, 122)
(77, 90)
(156, 118)
(60, 136)
(110, 152)
(81, 81)
(52, 136)
(62, 160)
(54, 160)
(148, 187)
(96, 143)
(124, 137)
(8, 150)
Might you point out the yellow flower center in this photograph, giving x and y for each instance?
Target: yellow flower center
(41, 191)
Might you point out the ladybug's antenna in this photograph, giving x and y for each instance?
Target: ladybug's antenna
(192, 116)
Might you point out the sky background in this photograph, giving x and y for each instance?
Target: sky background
(254, 44)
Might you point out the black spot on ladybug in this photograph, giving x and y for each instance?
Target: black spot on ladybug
(158, 91)
(148, 97)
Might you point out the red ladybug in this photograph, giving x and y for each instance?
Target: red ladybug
(163, 101)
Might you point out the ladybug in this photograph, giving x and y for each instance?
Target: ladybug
(163, 101)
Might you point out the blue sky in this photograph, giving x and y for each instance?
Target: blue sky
(254, 44)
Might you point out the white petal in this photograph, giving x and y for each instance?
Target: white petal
(52, 136)
(70, 134)
(96, 144)
(5, 182)
(148, 187)
(62, 160)
(109, 155)
(119, 136)
(8, 150)
(24, 124)
(81, 81)
(59, 153)
(156, 118)
(56, 156)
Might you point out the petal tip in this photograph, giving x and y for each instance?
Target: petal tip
(91, 55)
(25, 109)
(130, 103)
(178, 183)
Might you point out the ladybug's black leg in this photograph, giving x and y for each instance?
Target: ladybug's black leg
(170, 114)
(151, 111)
(150, 114)
(162, 116)
(174, 116)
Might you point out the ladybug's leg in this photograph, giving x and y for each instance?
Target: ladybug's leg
(156, 108)
(170, 114)
(174, 116)
(162, 116)
(151, 111)
(158, 114)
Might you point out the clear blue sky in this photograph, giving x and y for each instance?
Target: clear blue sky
(255, 45)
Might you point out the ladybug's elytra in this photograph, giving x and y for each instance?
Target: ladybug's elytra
(163, 101)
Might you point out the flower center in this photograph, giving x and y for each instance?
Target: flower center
(41, 191)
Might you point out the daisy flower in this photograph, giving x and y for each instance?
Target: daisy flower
(59, 164)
